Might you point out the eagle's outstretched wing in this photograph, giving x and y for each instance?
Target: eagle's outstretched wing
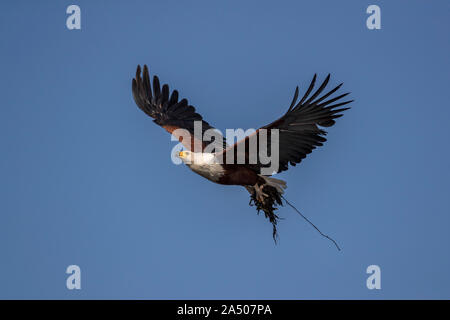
(170, 113)
(299, 128)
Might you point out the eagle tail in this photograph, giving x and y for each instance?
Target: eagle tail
(267, 196)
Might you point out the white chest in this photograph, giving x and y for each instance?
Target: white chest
(211, 171)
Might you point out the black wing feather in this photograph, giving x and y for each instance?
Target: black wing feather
(164, 107)
(301, 127)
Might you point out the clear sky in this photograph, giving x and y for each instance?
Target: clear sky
(86, 177)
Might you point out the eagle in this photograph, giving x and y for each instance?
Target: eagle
(299, 131)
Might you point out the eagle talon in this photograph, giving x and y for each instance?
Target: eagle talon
(260, 195)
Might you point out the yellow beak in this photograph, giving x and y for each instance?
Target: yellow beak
(181, 154)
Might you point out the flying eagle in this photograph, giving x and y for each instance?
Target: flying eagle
(299, 131)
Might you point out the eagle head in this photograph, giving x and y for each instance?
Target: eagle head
(199, 158)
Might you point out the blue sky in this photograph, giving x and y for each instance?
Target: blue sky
(87, 177)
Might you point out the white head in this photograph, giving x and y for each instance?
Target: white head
(190, 157)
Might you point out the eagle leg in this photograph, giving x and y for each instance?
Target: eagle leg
(267, 202)
(260, 195)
